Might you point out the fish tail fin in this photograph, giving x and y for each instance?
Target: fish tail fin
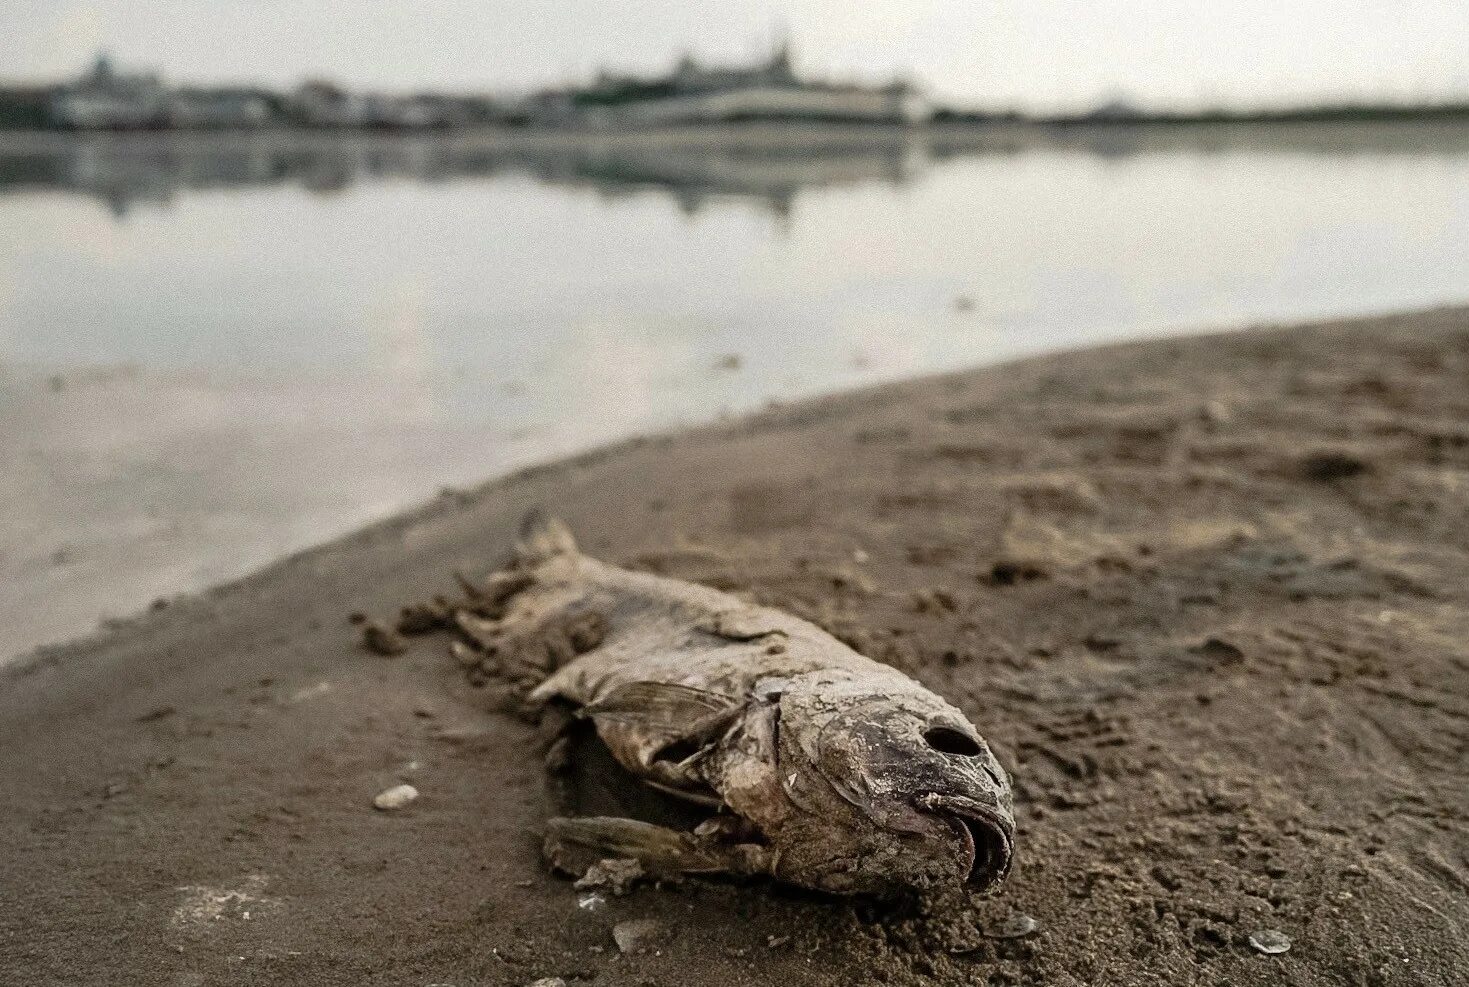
(542, 538)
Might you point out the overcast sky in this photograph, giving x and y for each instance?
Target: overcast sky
(1026, 53)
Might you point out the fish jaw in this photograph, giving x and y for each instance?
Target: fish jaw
(987, 834)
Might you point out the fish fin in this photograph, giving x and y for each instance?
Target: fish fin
(543, 537)
(673, 728)
(661, 706)
(573, 844)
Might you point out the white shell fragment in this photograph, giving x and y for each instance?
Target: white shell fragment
(395, 798)
(1271, 942)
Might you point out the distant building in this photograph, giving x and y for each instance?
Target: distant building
(417, 112)
(771, 90)
(106, 98)
(324, 104)
(219, 108)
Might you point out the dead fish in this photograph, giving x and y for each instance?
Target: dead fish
(821, 768)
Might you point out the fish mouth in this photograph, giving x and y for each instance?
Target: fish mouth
(988, 834)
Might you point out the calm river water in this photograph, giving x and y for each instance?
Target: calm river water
(218, 349)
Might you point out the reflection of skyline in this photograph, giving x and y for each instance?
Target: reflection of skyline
(769, 167)
(127, 170)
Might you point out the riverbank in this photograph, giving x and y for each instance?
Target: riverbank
(1207, 596)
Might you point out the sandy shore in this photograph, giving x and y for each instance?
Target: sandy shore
(1207, 596)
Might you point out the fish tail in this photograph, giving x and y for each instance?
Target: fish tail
(543, 537)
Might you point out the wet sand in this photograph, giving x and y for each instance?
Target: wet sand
(1208, 598)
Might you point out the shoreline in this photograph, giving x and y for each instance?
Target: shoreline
(191, 791)
(96, 607)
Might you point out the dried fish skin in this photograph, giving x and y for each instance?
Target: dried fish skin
(848, 776)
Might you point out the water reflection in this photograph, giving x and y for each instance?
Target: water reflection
(767, 166)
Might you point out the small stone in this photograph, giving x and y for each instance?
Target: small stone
(1271, 942)
(591, 902)
(1017, 926)
(637, 935)
(1330, 465)
(548, 982)
(1219, 651)
(394, 798)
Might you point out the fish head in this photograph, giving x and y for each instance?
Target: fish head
(899, 772)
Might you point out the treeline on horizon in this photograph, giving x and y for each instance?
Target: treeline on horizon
(1324, 113)
(31, 109)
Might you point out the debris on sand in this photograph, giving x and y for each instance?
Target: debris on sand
(548, 982)
(638, 935)
(381, 639)
(1271, 942)
(1017, 926)
(395, 798)
(591, 902)
(201, 906)
(1219, 651)
(618, 875)
(1010, 572)
(1330, 465)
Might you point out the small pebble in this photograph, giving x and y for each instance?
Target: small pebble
(1270, 941)
(1328, 466)
(548, 982)
(637, 935)
(591, 902)
(395, 798)
(1017, 926)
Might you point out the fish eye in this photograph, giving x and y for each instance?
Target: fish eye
(947, 740)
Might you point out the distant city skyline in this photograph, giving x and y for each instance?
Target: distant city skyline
(1030, 54)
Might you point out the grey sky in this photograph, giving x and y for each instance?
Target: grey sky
(1031, 53)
